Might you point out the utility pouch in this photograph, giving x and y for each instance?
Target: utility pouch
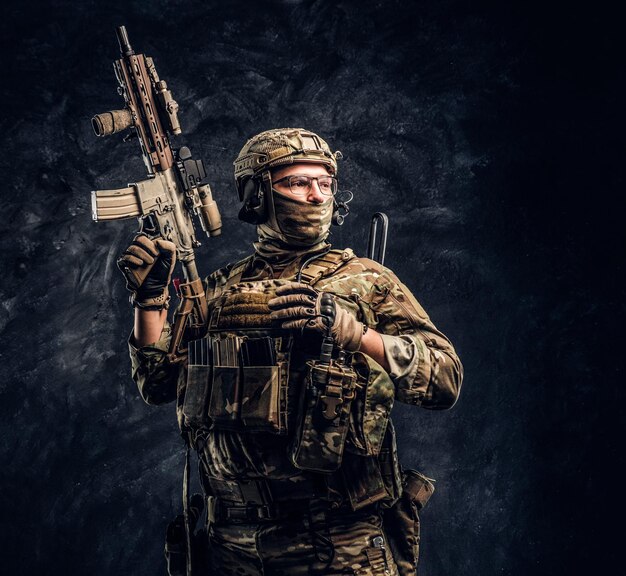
(369, 479)
(402, 523)
(417, 487)
(198, 383)
(322, 426)
(363, 481)
(390, 466)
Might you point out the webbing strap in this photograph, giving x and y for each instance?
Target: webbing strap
(236, 273)
(321, 266)
(320, 531)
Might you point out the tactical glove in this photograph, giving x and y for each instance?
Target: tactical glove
(147, 266)
(299, 307)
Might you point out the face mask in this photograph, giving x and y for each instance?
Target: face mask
(301, 223)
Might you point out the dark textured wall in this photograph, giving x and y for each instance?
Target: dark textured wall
(488, 134)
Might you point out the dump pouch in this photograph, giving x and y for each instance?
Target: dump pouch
(402, 523)
(323, 420)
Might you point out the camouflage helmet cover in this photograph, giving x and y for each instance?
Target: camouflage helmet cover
(280, 147)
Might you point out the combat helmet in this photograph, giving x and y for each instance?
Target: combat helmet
(271, 149)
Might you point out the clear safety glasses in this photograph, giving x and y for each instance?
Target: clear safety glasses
(301, 185)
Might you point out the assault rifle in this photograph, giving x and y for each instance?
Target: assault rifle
(165, 202)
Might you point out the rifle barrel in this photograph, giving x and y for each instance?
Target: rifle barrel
(122, 38)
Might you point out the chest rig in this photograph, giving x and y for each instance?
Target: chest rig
(242, 375)
(329, 420)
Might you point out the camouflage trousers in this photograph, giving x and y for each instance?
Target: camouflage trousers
(345, 543)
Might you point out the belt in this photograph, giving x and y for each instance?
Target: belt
(263, 492)
(219, 510)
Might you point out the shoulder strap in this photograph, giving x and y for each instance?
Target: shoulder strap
(236, 272)
(325, 265)
(320, 267)
(234, 276)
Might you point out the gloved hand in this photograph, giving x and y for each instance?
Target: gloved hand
(147, 266)
(297, 306)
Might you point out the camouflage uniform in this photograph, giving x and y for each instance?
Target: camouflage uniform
(269, 517)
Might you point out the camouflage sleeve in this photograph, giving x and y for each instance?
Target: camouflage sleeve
(423, 363)
(155, 377)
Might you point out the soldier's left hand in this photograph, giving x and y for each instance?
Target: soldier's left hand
(297, 306)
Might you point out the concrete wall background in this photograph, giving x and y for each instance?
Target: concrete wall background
(489, 135)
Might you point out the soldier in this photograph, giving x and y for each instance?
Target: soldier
(286, 396)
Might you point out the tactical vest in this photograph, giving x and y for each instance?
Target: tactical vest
(242, 376)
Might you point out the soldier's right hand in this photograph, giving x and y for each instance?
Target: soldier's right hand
(147, 266)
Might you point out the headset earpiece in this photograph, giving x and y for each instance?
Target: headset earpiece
(253, 210)
(337, 219)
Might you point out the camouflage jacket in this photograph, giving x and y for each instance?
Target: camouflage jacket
(424, 368)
